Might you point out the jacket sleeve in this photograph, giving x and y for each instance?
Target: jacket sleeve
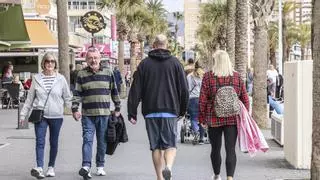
(184, 91)
(115, 93)
(135, 93)
(76, 99)
(244, 98)
(29, 101)
(204, 97)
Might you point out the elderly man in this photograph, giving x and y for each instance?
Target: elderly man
(160, 83)
(94, 87)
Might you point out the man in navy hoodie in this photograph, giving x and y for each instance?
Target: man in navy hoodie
(160, 84)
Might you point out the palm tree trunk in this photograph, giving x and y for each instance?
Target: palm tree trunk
(63, 39)
(259, 107)
(231, 4)
(273, 59)
(302, 52)
(141, 50)
(284, 40)
(315, 40)
(241, 44)
(121, 65)
(133, 57)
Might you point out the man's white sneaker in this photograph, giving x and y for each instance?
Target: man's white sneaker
(37, 172)
(100, 171)
(50, 172)
(216, 177)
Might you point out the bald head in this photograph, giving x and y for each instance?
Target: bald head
(160, 42)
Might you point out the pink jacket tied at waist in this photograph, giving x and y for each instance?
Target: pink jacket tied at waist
(250, 137)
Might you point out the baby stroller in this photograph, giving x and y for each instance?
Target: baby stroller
(188, 135)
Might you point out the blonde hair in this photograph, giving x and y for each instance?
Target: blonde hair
(222, 64)
(46, 57)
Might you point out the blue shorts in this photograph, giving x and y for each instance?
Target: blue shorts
(162, 133)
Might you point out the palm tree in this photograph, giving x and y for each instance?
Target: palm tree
(273, 41)
(231, 30)
(315, 160)
(158, 14)
(138, 20)
(212, 29)
(287, 8)
(304, 37)
(178, 17)
(122, 9)
(241, 37)
(261, 11)
(63, 39)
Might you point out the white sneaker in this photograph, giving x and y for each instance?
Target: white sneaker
(100, 171)
(37, 172)
(50, 172)
(216, 177)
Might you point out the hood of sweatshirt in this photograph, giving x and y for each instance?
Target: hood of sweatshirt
(160, 54)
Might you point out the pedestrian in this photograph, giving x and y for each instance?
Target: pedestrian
(250, 81)
(49, 91)
(160, 83)
(194, 84)
(272, 73)
(222, 83)
(7, 76)
(117, 75)
(94, 88)
(189, 68)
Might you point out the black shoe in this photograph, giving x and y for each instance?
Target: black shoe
(37, 172)
(166, 173)
(201, 142)
(85, 173)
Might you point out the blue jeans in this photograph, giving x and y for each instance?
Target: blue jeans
(275, 105)
(90, 124)
(193, 111)
(40, 131)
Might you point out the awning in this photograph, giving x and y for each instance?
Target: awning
(13, 31)
(40, 35)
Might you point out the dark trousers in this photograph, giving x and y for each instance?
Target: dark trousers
(40, 131)
(230, 138)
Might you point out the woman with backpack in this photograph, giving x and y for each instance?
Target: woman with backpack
(219, 110)
(194, 84)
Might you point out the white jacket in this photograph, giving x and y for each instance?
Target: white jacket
(59, 96)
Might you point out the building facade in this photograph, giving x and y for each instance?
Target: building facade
(191, 21)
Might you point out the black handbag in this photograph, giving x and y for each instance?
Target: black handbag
(37, 114)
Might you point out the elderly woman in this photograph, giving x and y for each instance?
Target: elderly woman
(48, 89)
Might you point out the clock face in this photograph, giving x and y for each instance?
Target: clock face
(93, 22)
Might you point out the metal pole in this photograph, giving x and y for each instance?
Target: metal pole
(280, 52)
(92, 40)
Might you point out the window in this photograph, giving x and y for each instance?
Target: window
(92, 5)
(84, 5)
(76, 5)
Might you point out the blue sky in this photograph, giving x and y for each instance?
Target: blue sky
(173, 5)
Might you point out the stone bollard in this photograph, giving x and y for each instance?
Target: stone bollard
(25, 124)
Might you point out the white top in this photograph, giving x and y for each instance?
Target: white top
(272, 74)
(194, 84)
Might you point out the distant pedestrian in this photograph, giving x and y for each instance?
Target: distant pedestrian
(194, 83)
(118, 78)
(220, 93)
(189, 68)
(7, 76)
(160, 83)
(250, 81)
(73, 77)
(94, 88)
(49, 91)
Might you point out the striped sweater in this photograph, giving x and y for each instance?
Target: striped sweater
(94, 91)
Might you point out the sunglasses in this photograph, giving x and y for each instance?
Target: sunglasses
(50, 61)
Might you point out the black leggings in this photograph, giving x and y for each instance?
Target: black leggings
(230, 138)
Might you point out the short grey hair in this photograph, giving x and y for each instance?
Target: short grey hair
(160, 41)
(92, 49)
